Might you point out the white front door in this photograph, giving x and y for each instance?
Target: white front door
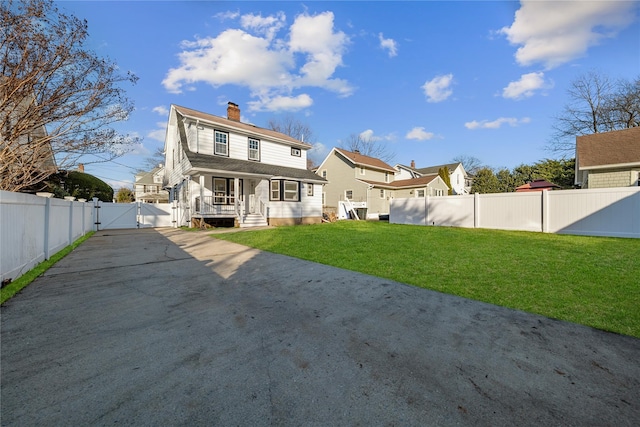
(252, 196)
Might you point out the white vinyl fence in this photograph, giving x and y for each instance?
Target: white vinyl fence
(611, 212)
(33, 228)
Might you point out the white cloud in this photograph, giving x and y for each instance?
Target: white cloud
(418, 133)
(227, 15)
(268, 26)
(281, 103)
(556, 32)
(318, 152)
(255, 57)
(389, 44)
(314, 37)
(496, 124)
(439, 88)
(526, 86)
(160, 133)
(368, 135)
(161, 109)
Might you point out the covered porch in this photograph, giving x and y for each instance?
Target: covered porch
(240, 201)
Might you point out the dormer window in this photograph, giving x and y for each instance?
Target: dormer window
(296, 152)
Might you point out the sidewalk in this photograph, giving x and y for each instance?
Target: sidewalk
(167, 327)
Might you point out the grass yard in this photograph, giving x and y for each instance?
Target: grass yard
(594, 281)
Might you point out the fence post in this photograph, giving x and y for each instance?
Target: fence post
(70, 223)
(476, 210)
(545, 211)
(96, 213)
(47, 220)
(426, 210)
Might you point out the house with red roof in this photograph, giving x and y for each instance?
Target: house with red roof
(368, 183)
(537, 185)
(608, 159)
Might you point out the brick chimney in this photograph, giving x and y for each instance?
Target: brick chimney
(233, 112)
(413, 164)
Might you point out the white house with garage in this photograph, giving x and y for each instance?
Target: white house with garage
(223, 172)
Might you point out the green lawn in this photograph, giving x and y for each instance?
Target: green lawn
(594, 281)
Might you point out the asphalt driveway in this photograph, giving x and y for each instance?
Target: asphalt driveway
(166, 327)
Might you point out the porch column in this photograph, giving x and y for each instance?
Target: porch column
(201, 194)
(236, 198)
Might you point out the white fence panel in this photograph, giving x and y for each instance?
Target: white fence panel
(22, 231)
(408, 211)
(34, 228)
(451, 211)
(595, 212)
(611, 212)
(155, 215)
(511, 211)
(59, 211)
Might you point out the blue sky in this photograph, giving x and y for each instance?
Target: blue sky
(433, 80)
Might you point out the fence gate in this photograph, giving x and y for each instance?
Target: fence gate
(109, 216)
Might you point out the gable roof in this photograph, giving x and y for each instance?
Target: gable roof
(423, 181)
(607, 149)
(365, 161)
(224, 165)
(433, 170)
(245, 128)
(146, 177)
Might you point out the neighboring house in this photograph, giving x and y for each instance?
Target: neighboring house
(537, 185)
(26, 155)
(148, 186)
(608, 159)
(407, 172)
(369, 183)
(460, 181)
(226, 172)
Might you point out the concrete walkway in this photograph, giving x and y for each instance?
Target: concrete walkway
(166, 327)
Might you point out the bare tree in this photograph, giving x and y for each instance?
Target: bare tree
(57, 99)
(290, 125)
(470, 164)
(368, 146)
(151, 162)
(596, 104)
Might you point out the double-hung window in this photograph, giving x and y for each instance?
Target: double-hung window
(275, 189)
(288, 191)
(309, 189)
(254, 149)
(221, 144)
(291, 191)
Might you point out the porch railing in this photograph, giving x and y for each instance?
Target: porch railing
(216, 206)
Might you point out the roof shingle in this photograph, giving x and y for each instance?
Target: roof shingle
(608, 148)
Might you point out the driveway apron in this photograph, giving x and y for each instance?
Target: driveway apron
(167, 327)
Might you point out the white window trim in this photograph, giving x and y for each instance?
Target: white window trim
(296, 152)
(256, 150)
(345, 194)
(295, 192)
(216, 143)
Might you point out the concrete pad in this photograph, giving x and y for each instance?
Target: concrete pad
(167, 327)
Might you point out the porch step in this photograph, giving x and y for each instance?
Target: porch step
(253, 220)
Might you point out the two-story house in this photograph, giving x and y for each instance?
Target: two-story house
(148, 186)
(608, 159)
(225, 172)
(460, 181)
(368, 183)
